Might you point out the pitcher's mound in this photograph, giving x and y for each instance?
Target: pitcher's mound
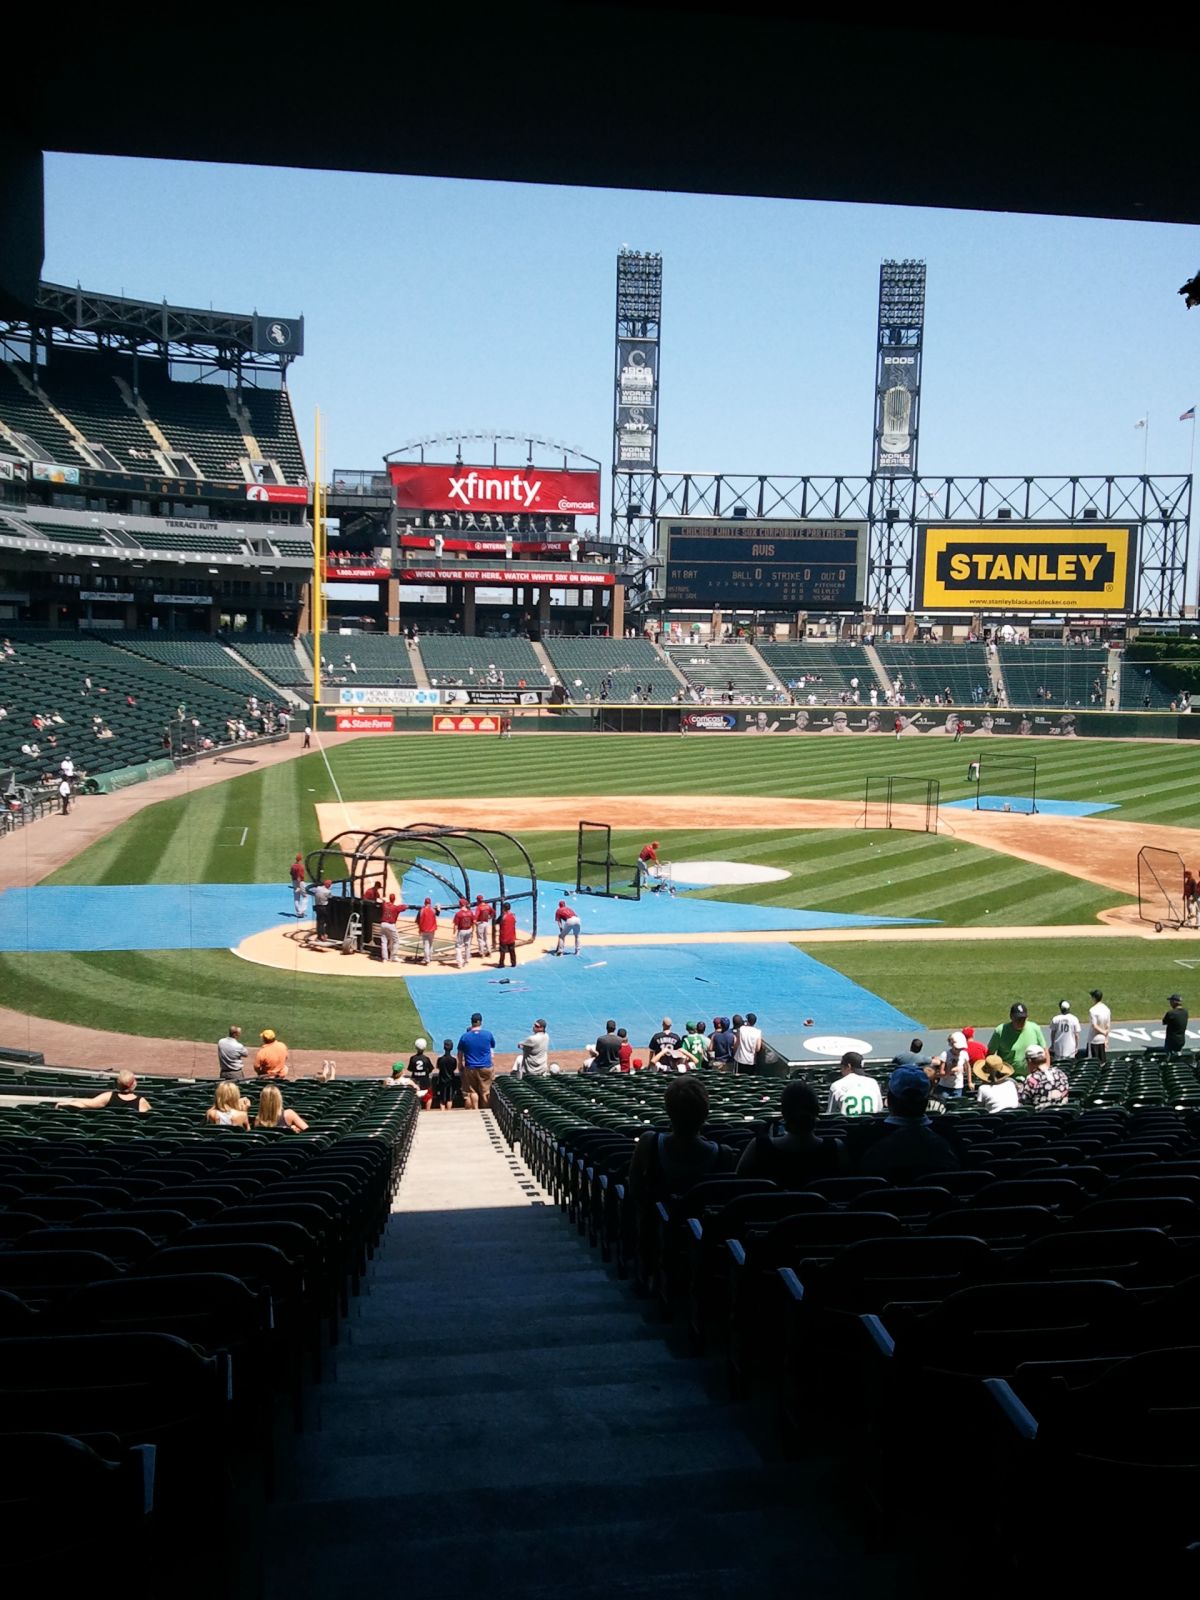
(703, 874)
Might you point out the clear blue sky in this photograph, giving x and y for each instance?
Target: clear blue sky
(433, 306)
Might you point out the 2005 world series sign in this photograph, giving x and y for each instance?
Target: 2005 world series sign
(1006, 568)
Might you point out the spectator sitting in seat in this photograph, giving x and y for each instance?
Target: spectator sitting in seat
(273, 1116)
(670, 1163)
(228, 1109)
(1046, 1084)
(789, 1151)
(997, 1091)
(905, 1144)
(123, 1098)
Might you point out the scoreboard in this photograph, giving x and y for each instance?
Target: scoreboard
(766, 566)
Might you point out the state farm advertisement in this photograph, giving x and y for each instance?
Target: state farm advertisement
(518, 489)
(346, 723)
(505, 577)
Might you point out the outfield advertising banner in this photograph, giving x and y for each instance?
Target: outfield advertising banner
(476, 724)
(401, 696)
(1005, 568)
(884, 719)
(505, 577)
(349, 723)
(521, 490)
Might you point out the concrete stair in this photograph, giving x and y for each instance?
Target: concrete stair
(507, 1420)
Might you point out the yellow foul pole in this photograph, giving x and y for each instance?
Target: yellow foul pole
(317, 608)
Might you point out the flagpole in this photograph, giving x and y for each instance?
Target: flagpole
(1146, 447)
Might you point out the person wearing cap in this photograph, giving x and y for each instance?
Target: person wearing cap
(1044, 1084)
(506, 934)
(484, 916)
(953, 1068)
(648, 862)
(568, 926)
(421, 1070)
(322, 893)
(299, 888)
(272, 1058)
(976, 1049)
(997, 1091)
(426, 920)
(535, 1052)
(389, 933)
(475, 1063)
(694, 1044)
(1100, 1018)
(906, 1144)
(1175, 1021)
(1065, 1030)
(447, 1077)
(464, 927)
(1013, 1038)
(853, 1094)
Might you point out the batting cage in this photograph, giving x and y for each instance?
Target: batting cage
(894, 801)
(1004, 782)
(1160, 887)
(597, 871)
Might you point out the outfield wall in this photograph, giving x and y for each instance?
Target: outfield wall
(922, 722)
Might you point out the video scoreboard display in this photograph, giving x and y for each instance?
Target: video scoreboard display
(785, 566)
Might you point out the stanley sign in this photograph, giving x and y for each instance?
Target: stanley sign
(1001, 568)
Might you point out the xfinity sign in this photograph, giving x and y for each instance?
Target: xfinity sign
(472, 489)
(521, 490)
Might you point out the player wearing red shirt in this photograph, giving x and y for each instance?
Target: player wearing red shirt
(568, 924)
(507, 934)
(648, 862)
(299, 893)
(389, 933)
(464, 926)
(427, 927)
(484, 916)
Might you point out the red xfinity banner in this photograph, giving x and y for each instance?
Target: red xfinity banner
(517, 489)
(505, 577)
(339, 574)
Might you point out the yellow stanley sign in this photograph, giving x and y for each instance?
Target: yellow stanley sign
(1024, 569)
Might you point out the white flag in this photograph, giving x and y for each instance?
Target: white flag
(1141, 423)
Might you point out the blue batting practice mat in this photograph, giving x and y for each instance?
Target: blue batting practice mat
(1022, 803)
(155, 916)
(640, 985)
(217, 916)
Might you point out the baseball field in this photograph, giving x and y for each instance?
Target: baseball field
(1009, 905)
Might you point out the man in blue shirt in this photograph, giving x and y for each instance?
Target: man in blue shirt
(475, 1063)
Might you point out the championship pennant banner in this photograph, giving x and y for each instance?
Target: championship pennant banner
(521, 490)
(1002, 568)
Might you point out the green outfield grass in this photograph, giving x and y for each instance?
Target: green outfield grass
(949, 985)
(198, 839)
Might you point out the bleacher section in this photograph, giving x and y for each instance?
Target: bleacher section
(928, 671)
(273, 654)
(195, 417)
(45, 677)
(464, 662)
(381, 659)
(274, 427)
(168, 1291)
(1073, 674)
(629, 667)
(199, 655)
(83, 387)
(826, 669)
(1030, 1302)
(20, 411)
(720, 666)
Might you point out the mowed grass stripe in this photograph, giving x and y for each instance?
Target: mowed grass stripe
(948, 985)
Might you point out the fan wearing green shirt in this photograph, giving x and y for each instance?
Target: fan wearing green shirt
(1012, 1038)
(695, 1045)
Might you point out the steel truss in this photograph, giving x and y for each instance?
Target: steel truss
(638, 317)
(1160, 508)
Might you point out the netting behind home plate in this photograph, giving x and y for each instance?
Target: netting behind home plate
(893, 801)
(1160, 886)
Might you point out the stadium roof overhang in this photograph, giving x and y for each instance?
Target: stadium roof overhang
(1046, 115)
